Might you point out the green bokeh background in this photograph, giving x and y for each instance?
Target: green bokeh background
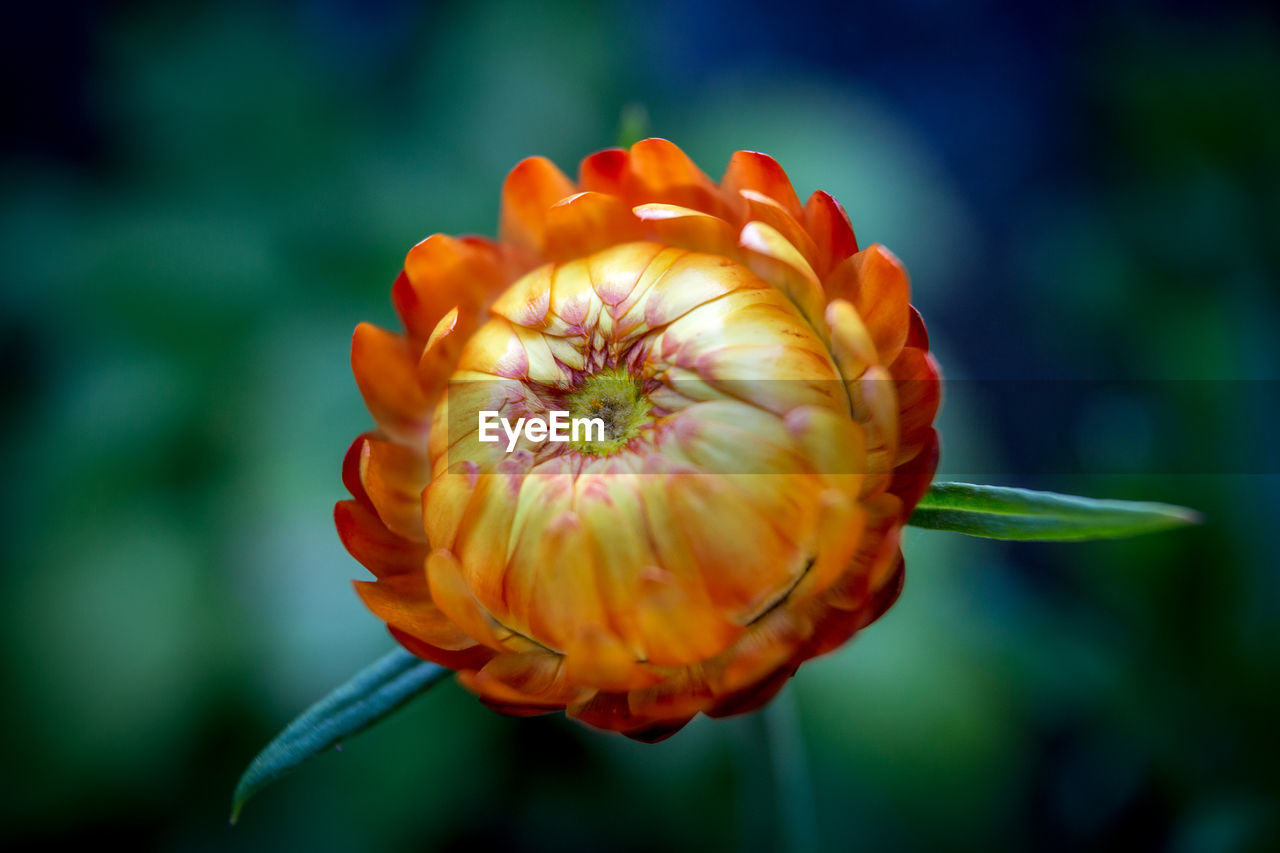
(199, 204)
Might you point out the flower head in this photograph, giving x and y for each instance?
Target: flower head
(767, 402)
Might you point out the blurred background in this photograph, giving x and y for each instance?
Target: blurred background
(198, 202)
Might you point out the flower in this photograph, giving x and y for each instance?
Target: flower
(769, 401)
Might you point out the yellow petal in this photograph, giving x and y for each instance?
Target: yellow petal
(772, 257)
(445, 502)
(450, 593)
(690, 229)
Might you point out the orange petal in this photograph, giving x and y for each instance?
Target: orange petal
(567, 595)
(911, 479)
(875, 283)
(530, 189)
(612, 711)
(888, 590)
(588, 222)
(661, 172)
(386, 370)
(766, 646)
(751, 170)
(404, 602)
(674, 611)
(597, 658)
(680, 626)
(875, 406)
(828, 224)
(442, 272)
(605, 171)
(883, 300)
(876, 551)
(917, 334)
(679, 696)
(440, 354)
(375, 547)
(541, 500)
(761, 208)
(408, 305)
(482, 539)
(463, 659)
(919, 391)
(534, 679)
(745, 559)
(394, 477)
(754, 696)
(832, 628)
(840, 525)
(659, 163)
(450, 593)
(351, 471)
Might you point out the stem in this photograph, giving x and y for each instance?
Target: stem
(753, 784)
(793, 790)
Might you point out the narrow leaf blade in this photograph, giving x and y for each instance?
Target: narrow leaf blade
(999, 512)
(366, 698)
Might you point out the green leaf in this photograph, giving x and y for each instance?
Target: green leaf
(370, 695)
(997, 512)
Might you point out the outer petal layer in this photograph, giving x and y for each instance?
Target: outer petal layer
(750, 519)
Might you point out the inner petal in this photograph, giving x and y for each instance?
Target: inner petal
(697, 499)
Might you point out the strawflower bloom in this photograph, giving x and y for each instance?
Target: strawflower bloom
(768, 400)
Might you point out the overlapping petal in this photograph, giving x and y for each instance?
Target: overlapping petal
(748, 523)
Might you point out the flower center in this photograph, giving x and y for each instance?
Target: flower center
(616, 397)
